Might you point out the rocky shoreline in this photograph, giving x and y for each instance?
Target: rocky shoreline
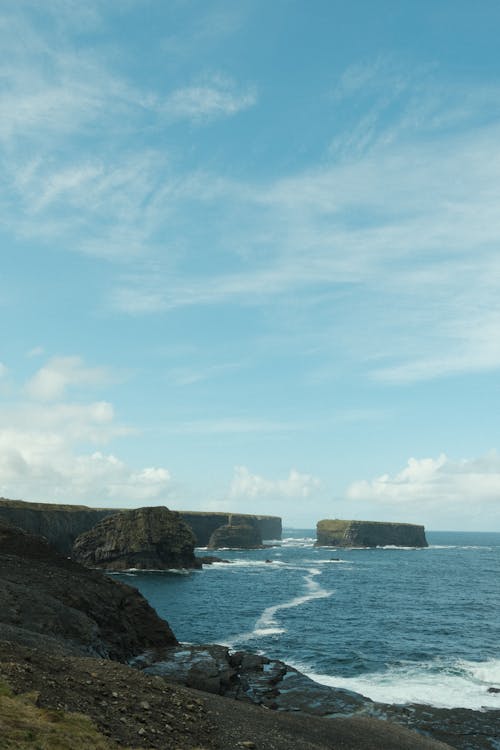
(74, 640)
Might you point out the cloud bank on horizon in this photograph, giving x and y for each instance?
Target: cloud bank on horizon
(251, 257)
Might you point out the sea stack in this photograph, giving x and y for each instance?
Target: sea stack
(338, 533)
(146, 538)
(236, 536)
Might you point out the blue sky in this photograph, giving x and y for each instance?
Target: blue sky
(250, 257)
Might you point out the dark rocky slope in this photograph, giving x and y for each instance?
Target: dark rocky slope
(338, 533)
(146, 538)
(48, 600)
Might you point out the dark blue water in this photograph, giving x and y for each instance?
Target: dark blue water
(394, 624)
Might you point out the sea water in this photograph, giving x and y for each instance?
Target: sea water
(397, 625)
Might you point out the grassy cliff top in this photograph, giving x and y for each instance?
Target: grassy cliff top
(24, 504)
(4, 502)
(337, 523)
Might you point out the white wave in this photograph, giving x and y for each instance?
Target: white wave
(401, 547)
(460, 684)
(247, 564)
(486, 672)
(139, 571)
(293, 541)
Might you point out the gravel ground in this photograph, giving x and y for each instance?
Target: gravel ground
(141, 711)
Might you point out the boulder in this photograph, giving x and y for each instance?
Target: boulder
(146, 538)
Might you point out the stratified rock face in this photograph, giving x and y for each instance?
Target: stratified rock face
(337, 533)
(146, 538)
(204, 524)
(237, 536)
(62, 524)
(59, 524)
(49, 601)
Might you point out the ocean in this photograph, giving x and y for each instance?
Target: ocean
(393, 624)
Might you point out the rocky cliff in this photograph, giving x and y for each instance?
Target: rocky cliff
(337, 533)
(62, 524)
(146, 538)
(59, 524)
(236, 536)
(204, 524)
(51, 602)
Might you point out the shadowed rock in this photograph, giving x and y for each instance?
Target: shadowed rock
(49, 601)
(146, 538)
(237, 536)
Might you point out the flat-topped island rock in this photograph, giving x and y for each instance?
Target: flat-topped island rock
(339, 533)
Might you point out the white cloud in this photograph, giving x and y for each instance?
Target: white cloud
(3, 370)
(211, 99)
(252, 486)
(51, 450)
(440, 489)
(52, 380)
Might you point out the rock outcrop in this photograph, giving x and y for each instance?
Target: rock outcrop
(337, 533)
(237, 536)
(51, 602)
(62, 524)
(59, 524)
(146, 538)
(204, 524)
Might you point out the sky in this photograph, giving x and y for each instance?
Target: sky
(250, 257)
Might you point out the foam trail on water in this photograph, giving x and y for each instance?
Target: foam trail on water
(267, 624)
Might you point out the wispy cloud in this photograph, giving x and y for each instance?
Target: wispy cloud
(210, 99)
(52, 380)
(296, 485)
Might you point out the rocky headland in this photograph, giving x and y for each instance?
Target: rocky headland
(62, 524)
(339, 533)
(146, 538)
(67, 635)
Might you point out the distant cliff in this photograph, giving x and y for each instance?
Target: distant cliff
(59, 524)
(337, 533)
(204, 524)
(62, 524)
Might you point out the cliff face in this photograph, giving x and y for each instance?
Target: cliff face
(337, 533)
(59, 524)
(204, 524)
(147, 538)
(62, 524)
(237, 536)
(51, 602)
